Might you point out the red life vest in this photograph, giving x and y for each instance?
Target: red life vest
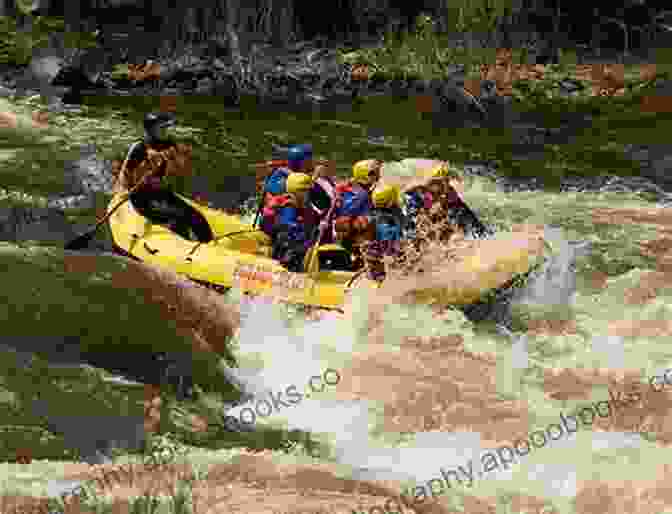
(270, 212)
(277, 202)
(344, 187)
(309, 215)
(348, 187)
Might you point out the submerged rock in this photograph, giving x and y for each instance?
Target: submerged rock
(655, 161)
(27, 223)
(93, 435)
(88, 174)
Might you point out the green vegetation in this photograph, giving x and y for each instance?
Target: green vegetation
(16, 45)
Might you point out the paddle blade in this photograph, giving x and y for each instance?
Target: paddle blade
(81, 241)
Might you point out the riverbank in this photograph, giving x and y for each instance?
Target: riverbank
(532, 124)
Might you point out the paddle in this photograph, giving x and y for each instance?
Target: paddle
(83, 240)
(324, 224)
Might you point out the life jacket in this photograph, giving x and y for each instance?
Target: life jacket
(353, 201)
(388, 223)
(276, 182)
(264, 171)
(270, 211)
(310, 215)
(160, 160)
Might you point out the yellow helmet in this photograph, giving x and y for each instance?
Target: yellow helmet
(363, 172)
(299, 183)
(443, 170)
(438, 171)
(387, 195)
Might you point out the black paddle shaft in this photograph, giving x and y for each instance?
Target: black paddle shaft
(83, 240)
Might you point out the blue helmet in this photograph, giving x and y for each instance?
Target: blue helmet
(297, 154)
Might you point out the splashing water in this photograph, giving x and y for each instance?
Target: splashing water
(555, 283)
(276, 352)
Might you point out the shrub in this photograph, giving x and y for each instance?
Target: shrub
(17, 44)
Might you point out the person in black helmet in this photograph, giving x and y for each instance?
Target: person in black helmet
(157, 157)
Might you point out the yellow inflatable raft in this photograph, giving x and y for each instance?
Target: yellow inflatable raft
(240, 255)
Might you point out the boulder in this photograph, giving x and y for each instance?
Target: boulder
(44, 67)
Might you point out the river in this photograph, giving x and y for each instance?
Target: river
(421, 391)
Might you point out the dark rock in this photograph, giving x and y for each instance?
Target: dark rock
(88, 174)
(601, 183)
(61, 351)
(94, 436)
(75, 79)
(39, 75)
(204, 85)
(220, 65)
(177, 372)
(45, 224)
(452, 105)
(225, 87)
(54, 75)
(654, 161)
(571, 85)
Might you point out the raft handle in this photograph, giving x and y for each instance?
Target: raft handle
(354, 277)
(191, 252)
(150, 250)
(239, 232)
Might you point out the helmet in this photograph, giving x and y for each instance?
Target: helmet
(366, 172)
(154, 120)
(440, 171)
(443, 170)
(298, 154)
(299, 183)
(386, 196)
